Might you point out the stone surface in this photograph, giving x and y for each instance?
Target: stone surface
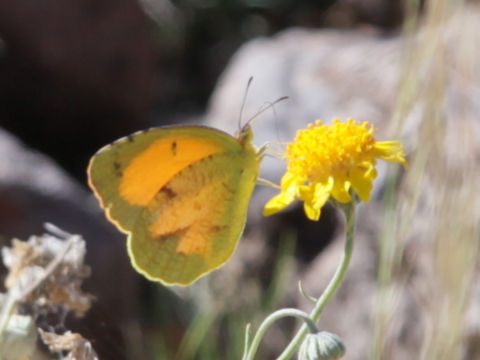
(362, 75)
(75, 75)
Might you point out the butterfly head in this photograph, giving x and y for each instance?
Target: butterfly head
(245, 134)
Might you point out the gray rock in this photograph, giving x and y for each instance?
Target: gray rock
(366, 76)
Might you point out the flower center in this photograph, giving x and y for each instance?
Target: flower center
(322, 151)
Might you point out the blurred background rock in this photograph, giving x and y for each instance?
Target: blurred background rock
(76, 75)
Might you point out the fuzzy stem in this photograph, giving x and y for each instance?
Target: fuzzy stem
(309, 325)
(349, 210)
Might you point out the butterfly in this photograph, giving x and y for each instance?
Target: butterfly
(180, 194)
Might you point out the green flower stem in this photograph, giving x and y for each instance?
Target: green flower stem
(349, 210)
(309, 325)
(247, 341)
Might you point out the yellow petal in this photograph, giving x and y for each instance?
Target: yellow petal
(311, 212)
(341, 189)
(362, 182)
(314, 198)
(390, 151)
(280, 201)
(288, 179)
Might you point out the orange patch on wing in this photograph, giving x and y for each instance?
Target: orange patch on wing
(193, 219)
(149, 171)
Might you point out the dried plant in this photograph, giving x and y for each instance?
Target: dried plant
(43, 286)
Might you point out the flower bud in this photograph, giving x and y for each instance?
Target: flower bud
(321, 346)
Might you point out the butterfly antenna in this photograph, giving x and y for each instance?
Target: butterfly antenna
(267, 105)
(244, 100)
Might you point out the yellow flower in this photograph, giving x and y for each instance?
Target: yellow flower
(332, 160)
